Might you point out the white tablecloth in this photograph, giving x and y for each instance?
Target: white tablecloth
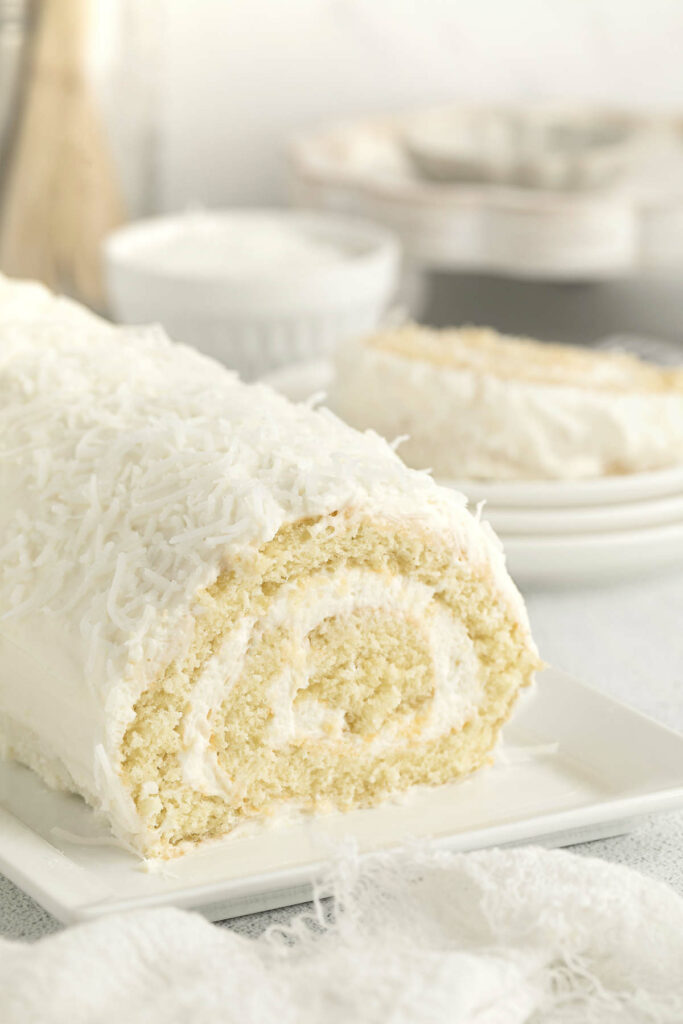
(626, 640)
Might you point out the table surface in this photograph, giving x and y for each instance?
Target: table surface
(625, 639)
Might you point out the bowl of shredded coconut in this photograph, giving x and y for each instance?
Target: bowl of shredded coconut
(255, 288)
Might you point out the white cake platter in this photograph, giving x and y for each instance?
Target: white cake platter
(627, 220)
(575, 765)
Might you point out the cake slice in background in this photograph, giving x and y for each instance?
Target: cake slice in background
(476, 405)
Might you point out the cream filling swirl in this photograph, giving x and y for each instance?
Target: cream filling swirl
(299, 607)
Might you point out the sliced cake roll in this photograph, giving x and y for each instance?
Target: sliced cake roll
(477, 405)
(217, 606)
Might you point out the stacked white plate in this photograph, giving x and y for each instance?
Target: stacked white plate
(561, 533)
(572, 532)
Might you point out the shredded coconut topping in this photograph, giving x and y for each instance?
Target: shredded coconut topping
(133, 469)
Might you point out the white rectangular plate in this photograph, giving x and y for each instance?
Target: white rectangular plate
(576, 766)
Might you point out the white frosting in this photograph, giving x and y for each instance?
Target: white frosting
(470, 424)
(133, 470)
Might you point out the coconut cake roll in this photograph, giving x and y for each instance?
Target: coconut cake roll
(476, 405)
(217, 606)
(29, 301)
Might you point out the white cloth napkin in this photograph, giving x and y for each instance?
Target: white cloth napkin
(493, 937)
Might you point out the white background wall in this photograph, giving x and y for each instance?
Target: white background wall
(239, 75)
(223, 82)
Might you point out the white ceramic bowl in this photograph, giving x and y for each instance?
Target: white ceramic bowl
(256, 319)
